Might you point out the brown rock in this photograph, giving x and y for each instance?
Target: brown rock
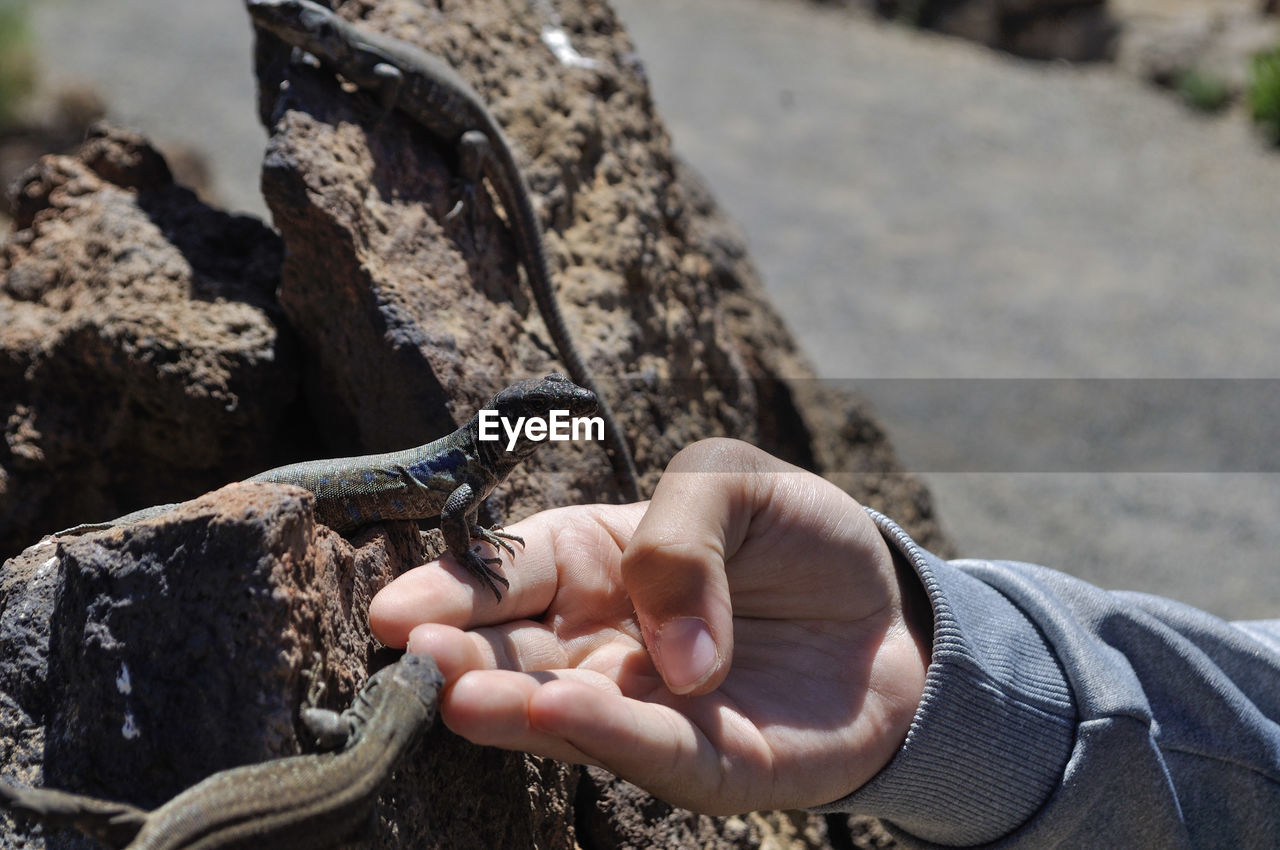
(151, 656)
(614, 813)
(141, 355)
(1075, 33)
(1074, 30)
(57, 125)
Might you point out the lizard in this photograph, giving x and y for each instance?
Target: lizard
(306, 801)
(448, 477)
(432, 94)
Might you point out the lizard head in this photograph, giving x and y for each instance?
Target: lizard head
(412, 684)
(305, 25)
(419, 675)
(545, 399)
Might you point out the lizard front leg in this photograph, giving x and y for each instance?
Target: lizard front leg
(459, 529)
(329, 730)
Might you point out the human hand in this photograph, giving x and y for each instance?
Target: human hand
(739, 642)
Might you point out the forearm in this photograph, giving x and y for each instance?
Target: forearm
(1055, 711)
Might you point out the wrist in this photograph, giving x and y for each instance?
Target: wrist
(914, 651)
(917, 612)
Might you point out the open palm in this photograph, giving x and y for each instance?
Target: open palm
(812, 671)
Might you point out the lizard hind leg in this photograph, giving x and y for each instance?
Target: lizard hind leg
(458, 525)
(474, 153)
(387, 83)
(330, 730)
(483, 568)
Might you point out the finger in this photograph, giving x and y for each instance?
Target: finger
(674, 566)
(570, 554)
(523, 645)
(650, 744)
(491, 708)
(442, 591)
(454, 650)
(531, 645)
(581, 718)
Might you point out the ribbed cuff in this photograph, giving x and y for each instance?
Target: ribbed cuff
(995, 726)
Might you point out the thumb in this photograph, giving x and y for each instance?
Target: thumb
(673, 567)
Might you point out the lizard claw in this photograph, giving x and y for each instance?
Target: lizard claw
(494, 537)
(468, 190)
(483, 569)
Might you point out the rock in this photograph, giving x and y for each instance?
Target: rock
(142, 355)
(1072, 30)
(1075, 34)
(56, 124)
(151, 656)
(614, 813)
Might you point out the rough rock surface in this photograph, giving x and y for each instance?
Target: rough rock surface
(146, 658)
(614, 813)
(142, 357)
(407, 319)
(1074, 30)
(58, 125)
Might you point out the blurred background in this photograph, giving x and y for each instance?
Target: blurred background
(966, 190)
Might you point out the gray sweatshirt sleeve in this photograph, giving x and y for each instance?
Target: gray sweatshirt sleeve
(1058, 714)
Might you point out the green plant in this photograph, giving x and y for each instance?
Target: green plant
(17, 61)
(1202, 91)
(1264, 93)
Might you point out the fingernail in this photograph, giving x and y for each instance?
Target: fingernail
(686, 653)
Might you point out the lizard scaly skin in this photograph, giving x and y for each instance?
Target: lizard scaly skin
(448, 478)
(425, 88)
(309, 801)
